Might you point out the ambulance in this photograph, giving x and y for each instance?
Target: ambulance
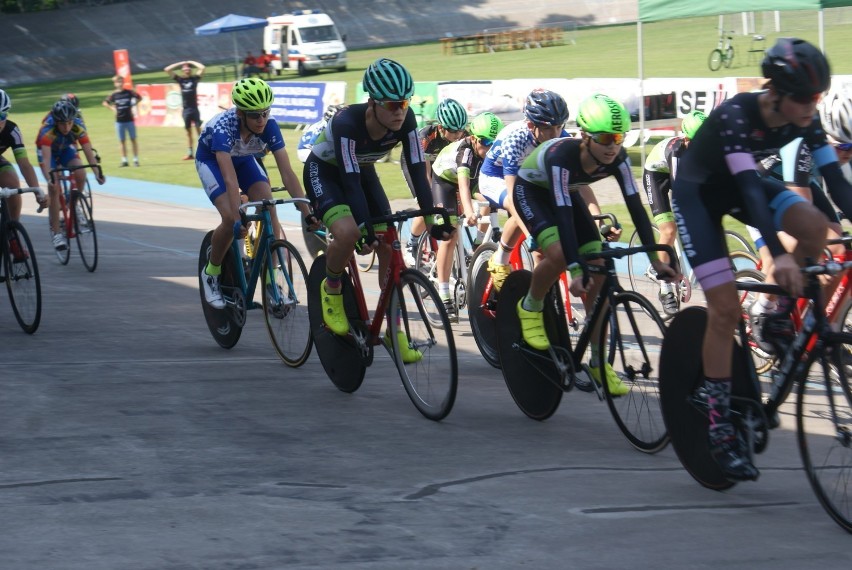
(305, 41)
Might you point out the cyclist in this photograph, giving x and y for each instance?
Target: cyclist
(56, 146)
(547, 196)
(450, 123)
(455, 177)
(11, 137)
(341, 179)
(719, 175)
(226, 164)
(545, 113)
(660, 167)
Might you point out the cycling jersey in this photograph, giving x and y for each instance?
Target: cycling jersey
(309, 136)
(719, 175)
(63, 148)
(660, 168)
(341, 167)
(11, 137)
(457, 158)
(548, 186)
(222, 134)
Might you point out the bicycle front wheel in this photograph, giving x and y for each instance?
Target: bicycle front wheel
(715, 60)
(631, 338)
(84, 229)
(22, 279)
(225, 331)
(824, 422)
(729, 56)
(285, 303)
(643, 278)
(425, 354)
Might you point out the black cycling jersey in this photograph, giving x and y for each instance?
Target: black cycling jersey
(11, 137)
(660, 167)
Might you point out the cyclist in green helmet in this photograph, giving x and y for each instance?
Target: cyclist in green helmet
(455, 177)
(449, 126)
(548, 199)
(660, 167)
(341, 179)
(226, 165)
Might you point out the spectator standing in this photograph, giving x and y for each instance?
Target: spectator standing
(188, 82)
(121, 101)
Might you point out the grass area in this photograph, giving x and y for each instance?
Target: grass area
(672, 49)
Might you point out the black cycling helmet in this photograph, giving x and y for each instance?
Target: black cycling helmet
(63, 111)
(545, 107)
(71, 98)
(796, 67)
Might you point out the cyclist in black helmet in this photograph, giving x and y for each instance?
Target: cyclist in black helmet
(718, 176)
(340, 176)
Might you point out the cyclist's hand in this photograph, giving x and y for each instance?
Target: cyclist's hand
(441, 231)
(43, 202)
(787, 275)
(611, 232)
(665, 272)
(240, 231)
(367, 244)
(311, 222)
(579, 285)
(100, 178)
(470, 218)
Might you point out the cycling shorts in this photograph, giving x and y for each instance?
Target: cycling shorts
(60, 159)
(657, 187)
(323, 187)
(539, 214)
(248, 173)
(493, 189)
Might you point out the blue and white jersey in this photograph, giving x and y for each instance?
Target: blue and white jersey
(513, 144)
(309, 136)
(222, 134)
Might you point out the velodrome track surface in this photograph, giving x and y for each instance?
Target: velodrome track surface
(129, 440)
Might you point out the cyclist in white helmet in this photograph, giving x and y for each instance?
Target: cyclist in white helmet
(11, 137)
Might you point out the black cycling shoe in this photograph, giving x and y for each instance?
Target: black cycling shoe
(733, 461)
(772, 332)
(452, 314)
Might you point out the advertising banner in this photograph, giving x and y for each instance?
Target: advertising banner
(121, 59)
(305, 102)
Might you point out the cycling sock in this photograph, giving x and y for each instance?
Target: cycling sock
(763, 305)
(594, 357)
(718, 393)
(503, 253)
(213, 270)
(785, 305)
(444, 291)
(533, 305)
(666, 288)
(333, 282)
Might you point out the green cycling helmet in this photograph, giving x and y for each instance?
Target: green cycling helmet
(691, 122)
(451, 115)
(388, 80)
(603, 114)
(486, 125)
(252, 94)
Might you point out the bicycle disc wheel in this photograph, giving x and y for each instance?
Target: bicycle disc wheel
(763, 361)
(286, 312)
(483, 304)
(22, 279)
(430, 376)
(225, 332)
(636, 333)
(84, 228)
(824, 424)
(340, 356)
(715, 60)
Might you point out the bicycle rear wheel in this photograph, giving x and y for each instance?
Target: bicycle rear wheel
(635, 332)
(824, 424)
(22, 278)
(84, 228)
(643, 278)
(430, 379)
(225, 332)
(285, 303)
(482, 305)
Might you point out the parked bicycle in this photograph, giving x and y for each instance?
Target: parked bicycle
(282, 287)
(723, 54)
(424, 354)
(18, 267)
(823, 409)
(75, 216)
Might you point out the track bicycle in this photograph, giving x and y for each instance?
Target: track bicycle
(823, 408)
(644, 281)
(630, 333)
(723, 54)
(424, 354)
(75, 216)
(18, 267)
(484, 297)
(275, 270)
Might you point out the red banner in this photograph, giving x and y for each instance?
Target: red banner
(122, 66)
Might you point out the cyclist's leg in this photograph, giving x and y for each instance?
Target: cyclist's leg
(445, 195)
(418, 225)
(494, 190)
(9, 179)
(657, 187)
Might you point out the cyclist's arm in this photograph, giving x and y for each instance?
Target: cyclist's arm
(90, 156)
(415, 162)
(632, 199)
(465, 194)
(290, 180)
(46, 161)
(25, 166)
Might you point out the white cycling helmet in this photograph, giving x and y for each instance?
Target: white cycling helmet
(835, 113)
(5, 102)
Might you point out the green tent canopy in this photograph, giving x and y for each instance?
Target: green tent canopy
(657, 10)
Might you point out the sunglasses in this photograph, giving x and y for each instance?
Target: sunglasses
(805, 99)
(3, 116)
(393, 106)
(845, 147)
(484, 141)
(606, 139)
(257, 115)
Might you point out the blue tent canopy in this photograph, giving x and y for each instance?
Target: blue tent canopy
(231, 23)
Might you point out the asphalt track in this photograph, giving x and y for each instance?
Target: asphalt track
(129, 440)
